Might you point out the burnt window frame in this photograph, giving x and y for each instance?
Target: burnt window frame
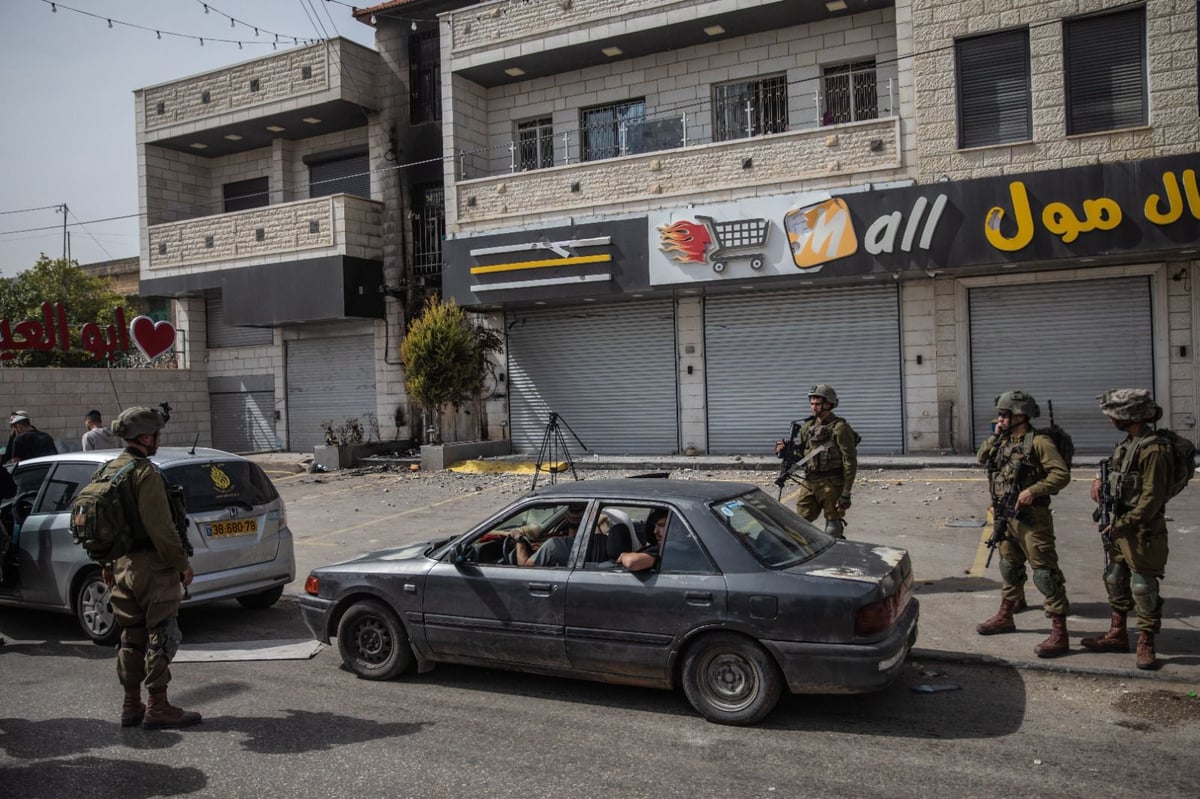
(424, 77)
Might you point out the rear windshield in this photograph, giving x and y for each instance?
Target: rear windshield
(776, 535)
(218, 485)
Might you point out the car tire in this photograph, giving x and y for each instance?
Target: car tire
(730, 679)
(373, 642)
(261, 600)
(93, 611)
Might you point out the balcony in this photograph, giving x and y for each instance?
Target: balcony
(304, 92)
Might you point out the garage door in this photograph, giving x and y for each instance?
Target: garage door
(1062, 342)
(609, 372)
(764, 351)
(243, 413)
(328, 379)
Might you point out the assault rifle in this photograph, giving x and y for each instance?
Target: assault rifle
(1103, 513)
(1003, 510)
(791, 459)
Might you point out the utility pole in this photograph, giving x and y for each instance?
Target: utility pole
(65, 245)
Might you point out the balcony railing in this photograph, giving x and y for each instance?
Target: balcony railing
(341, 224)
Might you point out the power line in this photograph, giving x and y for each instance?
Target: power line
(93, 238)
(27, 210)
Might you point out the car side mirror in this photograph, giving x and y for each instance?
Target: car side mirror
(458, 555)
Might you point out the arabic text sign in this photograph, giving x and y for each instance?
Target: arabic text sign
(53, 332)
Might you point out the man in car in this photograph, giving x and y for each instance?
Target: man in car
(647, 557)
(556, 550)
(148, 583)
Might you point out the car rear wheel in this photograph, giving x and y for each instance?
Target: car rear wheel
(373, 642)
(730, 679)
(93, 611)
(263, 599)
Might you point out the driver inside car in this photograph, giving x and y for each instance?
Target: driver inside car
(556, 550)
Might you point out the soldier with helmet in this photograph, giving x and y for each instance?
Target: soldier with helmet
(830, 473)
(148, 583)
(1015, 452)
(1138, 482)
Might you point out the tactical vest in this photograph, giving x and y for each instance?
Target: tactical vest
(1124, 477)
(1006, 457)
(818, 433)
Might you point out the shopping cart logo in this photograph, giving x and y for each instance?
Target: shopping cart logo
(737, 239)
(820, 233)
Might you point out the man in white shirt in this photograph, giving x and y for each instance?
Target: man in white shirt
(98, 436)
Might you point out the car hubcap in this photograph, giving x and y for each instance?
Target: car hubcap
(94, 608)
(374, 642)
(730, 681)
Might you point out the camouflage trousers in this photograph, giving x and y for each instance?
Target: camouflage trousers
(1031, 540)
(819, 495)
(1136, 563)
(145, 601)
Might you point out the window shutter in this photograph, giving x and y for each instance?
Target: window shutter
(347, 175)
(993, 89)
(1105, 61)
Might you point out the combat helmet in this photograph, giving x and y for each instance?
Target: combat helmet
(139, 421)
(825, 392)
(1018, 403)
(1129, 405)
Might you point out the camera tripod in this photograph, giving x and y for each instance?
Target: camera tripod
(552, 443)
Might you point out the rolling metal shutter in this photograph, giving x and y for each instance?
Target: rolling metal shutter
(243, 421)
(1062, 342)
(350, 175)
(764, 352)
(220, 335)
(328, 380)
(608, 371)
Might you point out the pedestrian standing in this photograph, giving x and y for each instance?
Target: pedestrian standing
(27, 441)
(148, 583)
(1027, 464)
(829, 475)
(1138, 482)
(98, 436)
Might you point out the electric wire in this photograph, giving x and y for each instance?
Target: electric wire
(93, 238)
(160, 32)
(233, 22)
(28, 210)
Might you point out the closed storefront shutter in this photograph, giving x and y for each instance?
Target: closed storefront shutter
(1062, 342)
(220, 335)
(608, 371)
(328, 379)
(243, 420)
(764, 351)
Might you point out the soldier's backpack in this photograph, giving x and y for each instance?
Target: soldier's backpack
(101, 516)
(1062, 442)
(1181, 457)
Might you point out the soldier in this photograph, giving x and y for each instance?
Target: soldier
(148, 583)
(1029, 534)
(829, 476)
(1138, 480)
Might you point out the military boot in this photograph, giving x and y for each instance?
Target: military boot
(1145, 652)
(1115, 640)
(162, 715)
(1057, 642)
(835, 528)
(132, 709)
(1002, 622)
(1020, 605)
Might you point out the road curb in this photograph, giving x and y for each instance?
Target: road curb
(1050, 666)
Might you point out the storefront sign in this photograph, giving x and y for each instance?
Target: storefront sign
(52, 331)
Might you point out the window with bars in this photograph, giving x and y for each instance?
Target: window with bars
(849, 93)
(535, 144)
(750, 107)
(429, 228)
(992, 76)
(602, 127)
(425, 77)
(1104, 59)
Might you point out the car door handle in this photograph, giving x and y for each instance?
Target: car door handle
(540, 589)
(697, 597)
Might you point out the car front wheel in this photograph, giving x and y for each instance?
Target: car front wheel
(730, 679)
(263, 599)
(373, 642)
(93, 610)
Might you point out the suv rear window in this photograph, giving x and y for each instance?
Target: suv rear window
(218, 485)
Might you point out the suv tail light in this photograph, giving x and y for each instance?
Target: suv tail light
(879, 616)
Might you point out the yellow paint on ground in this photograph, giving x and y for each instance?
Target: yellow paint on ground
(501, 467)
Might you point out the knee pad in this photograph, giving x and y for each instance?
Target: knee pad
(1144, 589)
(1048, 581)
(1116, 576)
(166, 638)
(1012, 573)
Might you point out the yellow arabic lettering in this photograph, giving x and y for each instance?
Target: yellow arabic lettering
(1174, 199)
(1099, 214)
(1023, 216)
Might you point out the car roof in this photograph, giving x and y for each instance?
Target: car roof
(165, 457)
(648, 488)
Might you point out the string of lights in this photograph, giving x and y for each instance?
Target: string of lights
(233, 23)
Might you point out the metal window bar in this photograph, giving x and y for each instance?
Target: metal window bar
(850, 93)
(749, 108)
(429, 229)
(534, 146)
(424, 69)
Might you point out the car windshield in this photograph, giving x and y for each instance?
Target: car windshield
(776, 536)
(216, 486)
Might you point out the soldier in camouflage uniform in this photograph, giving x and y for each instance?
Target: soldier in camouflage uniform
(830, 475)
(1138, 479)
(1030, 530)
(148, 583)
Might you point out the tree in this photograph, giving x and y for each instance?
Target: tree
(86, 299)
(445, 357)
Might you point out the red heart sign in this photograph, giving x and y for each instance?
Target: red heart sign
(152, 338)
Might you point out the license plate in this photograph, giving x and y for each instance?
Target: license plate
(233, 527)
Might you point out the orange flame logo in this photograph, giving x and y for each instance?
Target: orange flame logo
(686, 240)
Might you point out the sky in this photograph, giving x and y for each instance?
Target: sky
(67, 81)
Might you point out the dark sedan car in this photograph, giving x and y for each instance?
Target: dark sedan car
(743, 598)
